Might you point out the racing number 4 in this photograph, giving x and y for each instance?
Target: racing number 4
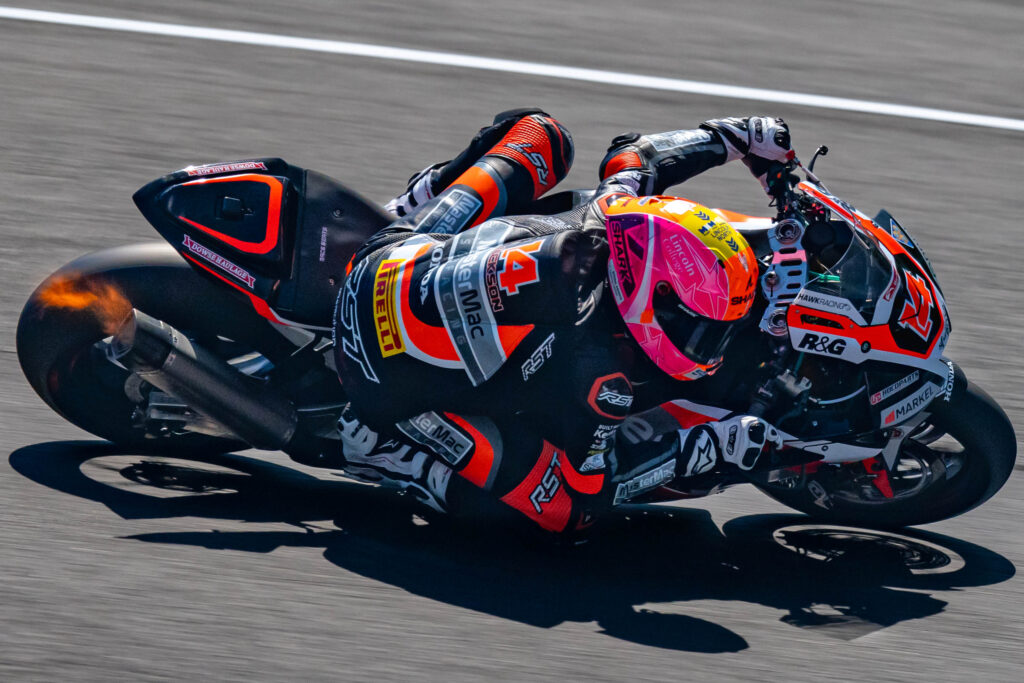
(519, 267)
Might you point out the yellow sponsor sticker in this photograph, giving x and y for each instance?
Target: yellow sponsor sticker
(716, 233)
(385, 318)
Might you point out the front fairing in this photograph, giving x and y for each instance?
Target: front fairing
(877, 302)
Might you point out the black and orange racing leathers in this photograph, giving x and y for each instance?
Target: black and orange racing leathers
(486, 340)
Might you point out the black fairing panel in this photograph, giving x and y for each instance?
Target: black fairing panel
(272, 230)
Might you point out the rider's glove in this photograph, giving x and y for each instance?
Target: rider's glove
(758, 140)
(738, 440)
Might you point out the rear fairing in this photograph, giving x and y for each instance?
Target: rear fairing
(278, 234)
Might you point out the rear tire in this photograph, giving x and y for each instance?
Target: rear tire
(57, 347)
(988, 451)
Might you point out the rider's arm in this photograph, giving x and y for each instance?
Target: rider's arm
(644, 465)
(649, 164)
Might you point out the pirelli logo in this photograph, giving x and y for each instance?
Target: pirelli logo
(385, 319)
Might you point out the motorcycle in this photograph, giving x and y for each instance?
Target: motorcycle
(221, 338)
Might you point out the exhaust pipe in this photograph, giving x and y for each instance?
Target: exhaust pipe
(164, 357)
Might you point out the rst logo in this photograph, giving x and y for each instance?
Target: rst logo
(540, 164)
(614, 398)
(822, 344)
(548, 486)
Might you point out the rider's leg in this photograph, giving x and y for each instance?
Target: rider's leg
(522, 155)
(520, 479)
(461, 464)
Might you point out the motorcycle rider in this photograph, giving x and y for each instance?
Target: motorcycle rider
(506, 349)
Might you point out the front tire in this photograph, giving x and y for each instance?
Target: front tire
(941, 478)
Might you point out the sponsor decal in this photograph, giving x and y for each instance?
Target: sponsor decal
(947, 389)
(548, 486)
(323, 243)
(385, 318)
(491, 282)
(917, 309)
(460, 289)
(880, 396)
(613, 280)
(470, 302)
(213, 169)
(594, 462)
(822, 344)
(615, 399)
(452, 214)
(825, 303)
(535, 158)
(519, 267)
(909, 406)
(645, 482)
(901, 236)
(602, 435)
(351, 340)
(702, 456)
(441, 435)
(537, 358)
(219, 261)
(625, 279)
(893, 287)
(435, 258)
(737, 300)
(468, 321)
(605, 400)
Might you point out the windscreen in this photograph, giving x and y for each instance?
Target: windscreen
(861, 275)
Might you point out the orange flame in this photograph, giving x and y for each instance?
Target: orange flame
(103, 299)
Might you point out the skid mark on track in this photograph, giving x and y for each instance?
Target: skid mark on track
(613, 78)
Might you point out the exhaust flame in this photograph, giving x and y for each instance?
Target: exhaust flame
(101, 298)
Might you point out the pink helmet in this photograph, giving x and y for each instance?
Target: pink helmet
(681, 277)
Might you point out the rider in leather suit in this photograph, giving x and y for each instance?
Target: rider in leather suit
(506, 349)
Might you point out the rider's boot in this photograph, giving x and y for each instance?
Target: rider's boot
(392, 464)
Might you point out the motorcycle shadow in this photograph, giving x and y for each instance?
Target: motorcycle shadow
(633, 579)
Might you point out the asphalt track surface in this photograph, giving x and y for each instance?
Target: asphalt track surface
(245, 567)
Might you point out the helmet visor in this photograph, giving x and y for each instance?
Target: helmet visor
(702, 340)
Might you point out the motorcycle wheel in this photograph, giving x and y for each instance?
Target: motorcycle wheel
(934, 478)
(61, 350)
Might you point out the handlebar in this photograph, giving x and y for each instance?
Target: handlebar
(781, 180)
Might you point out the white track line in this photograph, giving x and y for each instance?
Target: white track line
(616, 78)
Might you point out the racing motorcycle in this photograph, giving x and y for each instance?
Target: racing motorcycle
(221, 339)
